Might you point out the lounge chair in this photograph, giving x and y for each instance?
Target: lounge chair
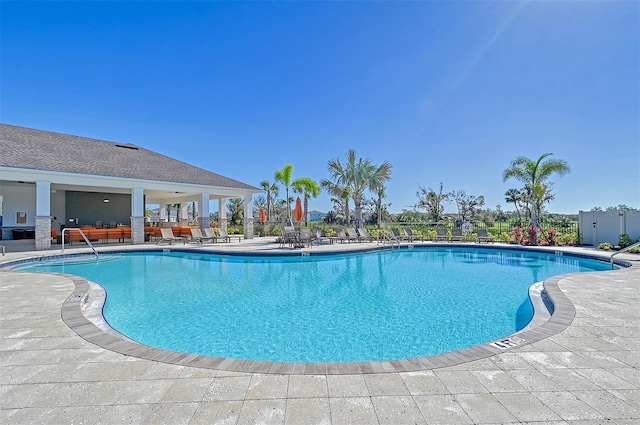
(223, 235)
(441, 235)
(399, 234)
(412, 236)
(168, 236)
(389, 237)
(319, 238)
(113, 224)
(197, 236)
(483, 236)
(456, 235)
(99, 224)
(210, 234)
(352, 235)
(364, 234)
(341, 236)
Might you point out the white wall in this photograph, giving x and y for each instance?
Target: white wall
(597, 227)
(18, 197)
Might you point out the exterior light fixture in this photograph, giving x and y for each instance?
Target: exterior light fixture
(106, 201)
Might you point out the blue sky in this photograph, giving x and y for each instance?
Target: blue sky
(446, 92)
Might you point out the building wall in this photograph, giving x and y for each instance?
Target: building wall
(17, 197)
(597, 227)
(89, 207)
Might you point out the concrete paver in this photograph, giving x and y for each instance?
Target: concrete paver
(588, 372)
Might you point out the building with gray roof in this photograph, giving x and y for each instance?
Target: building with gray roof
(50, 180)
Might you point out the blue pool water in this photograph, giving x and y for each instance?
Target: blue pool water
(337, 308)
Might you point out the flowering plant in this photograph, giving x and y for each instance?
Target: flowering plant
(517, 235)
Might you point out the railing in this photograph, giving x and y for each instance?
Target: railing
(83, 236)
(621, 251)
(3, 251)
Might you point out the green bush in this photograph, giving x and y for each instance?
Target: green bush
(605, 246)
(567, 239)
(429, 234)
(624, 240)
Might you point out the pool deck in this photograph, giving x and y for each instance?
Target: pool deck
(586, 372)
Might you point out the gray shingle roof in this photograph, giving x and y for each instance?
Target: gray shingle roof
(23, 147)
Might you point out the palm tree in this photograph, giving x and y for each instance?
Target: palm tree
(534, 174)
(357, 175)
(341, 194)
(381, 192)
(235, 208)
(514, 196)
(269, 189)
(285, 176)
(309, 189)
(376, 184)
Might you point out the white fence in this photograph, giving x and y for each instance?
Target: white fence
(597, 227)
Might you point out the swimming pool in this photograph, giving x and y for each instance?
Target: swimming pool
(332, 308)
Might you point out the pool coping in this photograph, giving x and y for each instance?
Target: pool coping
(82, 312)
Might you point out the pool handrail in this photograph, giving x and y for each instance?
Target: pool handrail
(83, 236)
(621, 251)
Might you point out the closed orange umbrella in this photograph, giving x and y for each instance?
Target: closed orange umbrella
(263, 215)
(298, 214)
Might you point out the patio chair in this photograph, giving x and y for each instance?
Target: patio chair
(456, 235)
(99, 224)
(412, 236)
(399, 234)
(364, 234)
(168, 236)
(113, 224)
(223, 235)
(319, 238)
(441, 235)
(352, 235)
(306, 238)
(197, 236)
(389, 237)
(210, 234)
(341, 236)
(483, 236)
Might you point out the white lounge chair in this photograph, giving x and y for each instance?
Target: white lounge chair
(197, 236)
(168, 236)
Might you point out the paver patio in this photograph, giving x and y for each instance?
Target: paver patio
(588, 373)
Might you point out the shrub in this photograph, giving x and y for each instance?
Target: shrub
(605, 246)
(516, 235)
(550, 237)
(624, 240)
(429, 234)
(567, 239)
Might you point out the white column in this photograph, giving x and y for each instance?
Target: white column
(184, 213)
(203, 210)
(222, 213)
(248, 217)
(137, 215)
(43, 215)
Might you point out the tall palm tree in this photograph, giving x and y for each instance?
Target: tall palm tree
(377, 185)
(534, 175)
(269, 189)
(309, 189)
(381, 193)
(285, 177)
(339, 193)
(513, 196)
(357, 174)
